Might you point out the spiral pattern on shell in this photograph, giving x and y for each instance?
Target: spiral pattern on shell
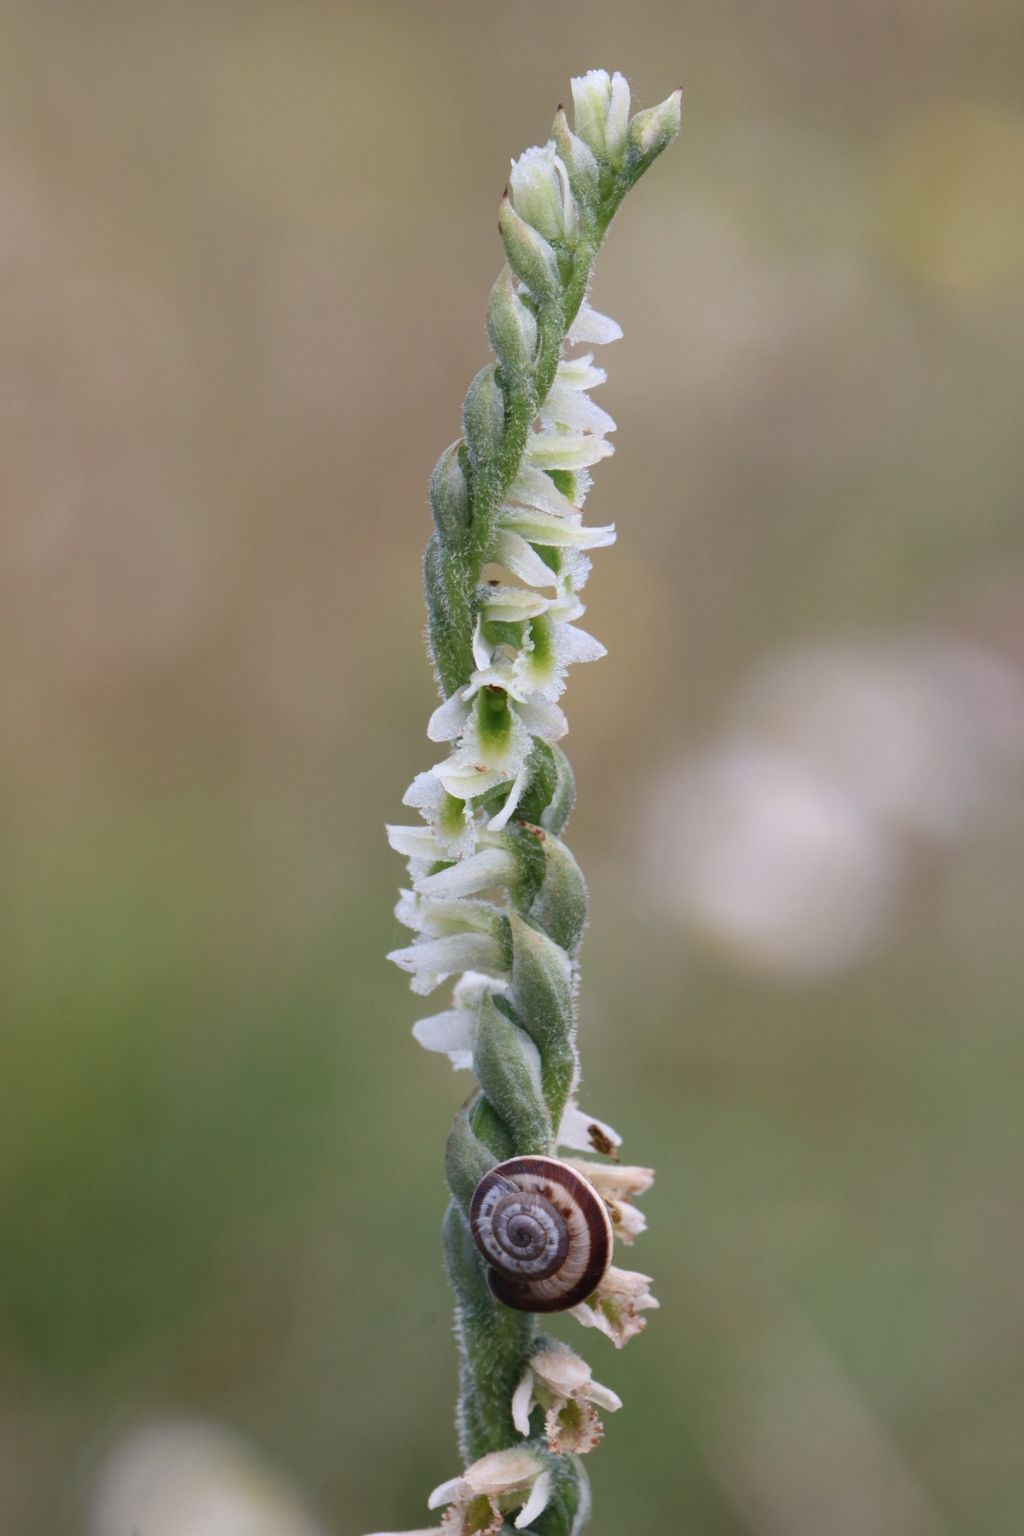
(544, 1231)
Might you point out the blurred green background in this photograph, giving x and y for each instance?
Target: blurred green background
(245, 252)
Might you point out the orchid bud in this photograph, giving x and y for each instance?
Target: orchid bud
(653, 130)
(577, 159)
(542, 194)
(449, 495)
(529, 254)
(511, 326)
(601, 103)
(483, 417)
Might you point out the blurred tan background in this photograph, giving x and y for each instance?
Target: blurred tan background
(245, 250)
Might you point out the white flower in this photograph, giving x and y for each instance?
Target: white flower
(580, 372)
(566, 450)
(454, 1031)
(446, 816)
(533, 488)
(555, 532)
(479, 872)
(512, 605)
(614, 1306)
(419, 843)
(571, 408)
(440, 917)
(513, 552)
(592, 327)
(586, 1133)
(540, 189)
(601, 113)
(616, 1185)
(496, 736)
(491, 1488)
(560, 1382)
(567, 403)
(552, 644)
(456, 936)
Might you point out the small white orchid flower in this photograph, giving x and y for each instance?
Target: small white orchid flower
(492, 1487)
(479, 872)
(614, 1306)
(419, 843)
(554, 643)
(533, 488)
(566, 450)
(555, 532)
(454, 1032)
(560, 1382)
(586, 1133)
(574, 410)
(513, 552)
(446, 816)
(455, 936)
(591, 327)
(541, 193)
(567, 403)
(580, 372)
(497, 739)
(617, 1185)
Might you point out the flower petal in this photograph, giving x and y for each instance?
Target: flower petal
(502, 1472)
(556, 532)
(573, 408)
(614, 1306)
(542, 718)
(444, 1493)
(590, 326)
(448, 719)
(416, 843)
(491, 866)
(431, 960)
(580, 372)
(513, 552)
(536, 1504)
(536, 489)
(453, 1032)
(502, 818)
(566, 450)
(522, 1399)
(587, 1133)
(513, 605)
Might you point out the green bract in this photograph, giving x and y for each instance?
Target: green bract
(497, 902)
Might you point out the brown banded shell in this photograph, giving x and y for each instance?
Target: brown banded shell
(544, 1231)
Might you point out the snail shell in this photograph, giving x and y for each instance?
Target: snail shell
(544, 1231)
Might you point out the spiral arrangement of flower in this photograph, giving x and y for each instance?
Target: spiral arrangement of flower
(496, 900)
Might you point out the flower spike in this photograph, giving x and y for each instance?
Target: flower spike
(495, 902)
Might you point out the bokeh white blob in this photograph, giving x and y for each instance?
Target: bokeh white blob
(919, 733)
(769, 860)
(191, 1479)
(787, 845)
